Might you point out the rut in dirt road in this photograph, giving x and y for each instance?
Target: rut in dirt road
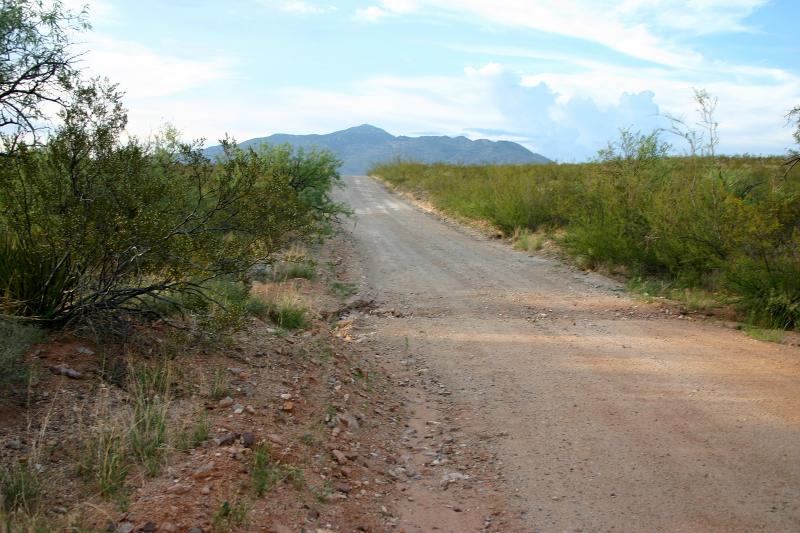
(606, 413)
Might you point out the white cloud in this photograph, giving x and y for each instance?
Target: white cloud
(387, 8)
(751, 108)
(699, 17)
(490, 69)
(144, 73)
(637, 28)
(400, 6)
(566, 115)
(371, 14)
(597, 22)
(565, 127)
(304, 8)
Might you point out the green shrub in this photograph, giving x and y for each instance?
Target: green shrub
(93, 223)
(768, 293)
(93, 220)
(257, 307)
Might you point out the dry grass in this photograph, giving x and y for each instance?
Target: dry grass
(762, 334)
(528, 241)
(285, 306)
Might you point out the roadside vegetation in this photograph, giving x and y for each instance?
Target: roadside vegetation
(724, 226)
(98, 226)
(144, 249)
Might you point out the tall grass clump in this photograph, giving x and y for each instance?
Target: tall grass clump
(15, 339)
(296, 270)
(20, 488)
(526, 241)
(115, 442)
(33, 282)
(264, 473)
(220, 386)
(104, 459)
(289, 312)
(193, 435)
(150, 391)
(725, 225)
(229, 515)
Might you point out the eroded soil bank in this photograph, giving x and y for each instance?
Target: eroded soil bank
(350, 438)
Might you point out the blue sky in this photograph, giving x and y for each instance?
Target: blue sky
(559, 76)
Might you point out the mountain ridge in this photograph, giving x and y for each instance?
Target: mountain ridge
(362, 146)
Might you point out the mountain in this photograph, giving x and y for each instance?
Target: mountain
(363, 146)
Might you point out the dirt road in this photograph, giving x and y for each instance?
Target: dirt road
(605, 413)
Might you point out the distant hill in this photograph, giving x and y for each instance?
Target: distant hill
(363, 146)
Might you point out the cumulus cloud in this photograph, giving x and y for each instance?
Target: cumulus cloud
(371, 14)
(564, 128)
(143, 72)
(751, 109)
(304, 8)
(400, 6)
(387, 8)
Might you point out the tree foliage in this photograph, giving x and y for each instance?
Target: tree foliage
(37, 65)
(92, 220)
(115, 221)
(794, 155)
